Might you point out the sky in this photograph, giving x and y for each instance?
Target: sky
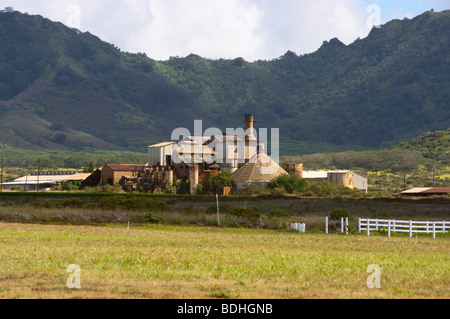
(214, 29)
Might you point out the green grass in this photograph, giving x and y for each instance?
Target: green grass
(193, 262)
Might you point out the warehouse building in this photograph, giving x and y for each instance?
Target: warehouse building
(347, 178)
(112, 173)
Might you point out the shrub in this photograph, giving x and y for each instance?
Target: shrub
(151, 219)
(246, 212)
(291, 183)
(189, 210)
(223, 209)
(45, 204)
(17, 188)
(323, 189)
(278, 191)
(133, 204)
(213, 184)
(67, 186)
(76, 202)
(105, 189)
(382, 215)
(279, 213)
(337, 214)
(251, 190)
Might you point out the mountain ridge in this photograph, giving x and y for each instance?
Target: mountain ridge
(79, 91)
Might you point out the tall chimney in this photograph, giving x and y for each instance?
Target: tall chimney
(248, 121)
(251, 144)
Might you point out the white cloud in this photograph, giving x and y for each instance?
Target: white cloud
(210, 28)
(302, 26)
(252, 29)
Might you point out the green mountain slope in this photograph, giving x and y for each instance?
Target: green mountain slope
(63, 89)
(432, 145)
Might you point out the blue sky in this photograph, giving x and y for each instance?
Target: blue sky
(252, 29)
(407, 8)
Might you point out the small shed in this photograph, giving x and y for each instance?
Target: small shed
(427, 191)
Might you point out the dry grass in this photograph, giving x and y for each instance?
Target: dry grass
(194, 262)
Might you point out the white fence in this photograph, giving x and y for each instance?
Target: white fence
(401, 226)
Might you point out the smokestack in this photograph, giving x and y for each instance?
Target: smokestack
(248, 121)
(251, 144)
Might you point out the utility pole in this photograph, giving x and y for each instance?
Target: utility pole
(218, 212)
(39, 172)
(1, 179)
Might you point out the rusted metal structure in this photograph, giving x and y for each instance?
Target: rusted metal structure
(112, 173)
(295, 168)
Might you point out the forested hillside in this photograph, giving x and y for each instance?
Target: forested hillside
(61, 89)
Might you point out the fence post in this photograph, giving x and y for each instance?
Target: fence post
(393, 228)
(410, 228)
(326, 225)
(444, 227)
(368, 227)
(346, 225)
(389, 228)
(342, 224)
(376, 224)
(434, 229)
(359, 225)
(428, 227)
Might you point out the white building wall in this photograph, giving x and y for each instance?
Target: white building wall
(360, 182)
(158, 154)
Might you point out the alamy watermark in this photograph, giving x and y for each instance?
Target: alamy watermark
(236, 146)
(74, 18)
(374, 18)
(374, 280)
(74, 280)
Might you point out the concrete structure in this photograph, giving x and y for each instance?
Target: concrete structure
(259, 171)
(193, 178)
(112, 173)
(161, 154)
(251, 143)
(297, 169)
(347, 178)
(428, 191)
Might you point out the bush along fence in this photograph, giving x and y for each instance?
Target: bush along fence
(344, 225)
(401, 226)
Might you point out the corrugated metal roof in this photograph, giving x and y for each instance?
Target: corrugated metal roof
(416, 190)
(125, 167)
(35, 182)
(78, 177)
(315, 174)
(438, 190)
(162, 144)
(52, 178)
(428, 190)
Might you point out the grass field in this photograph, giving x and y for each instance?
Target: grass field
(200, 262)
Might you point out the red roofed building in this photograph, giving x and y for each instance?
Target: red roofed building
(430, 191)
